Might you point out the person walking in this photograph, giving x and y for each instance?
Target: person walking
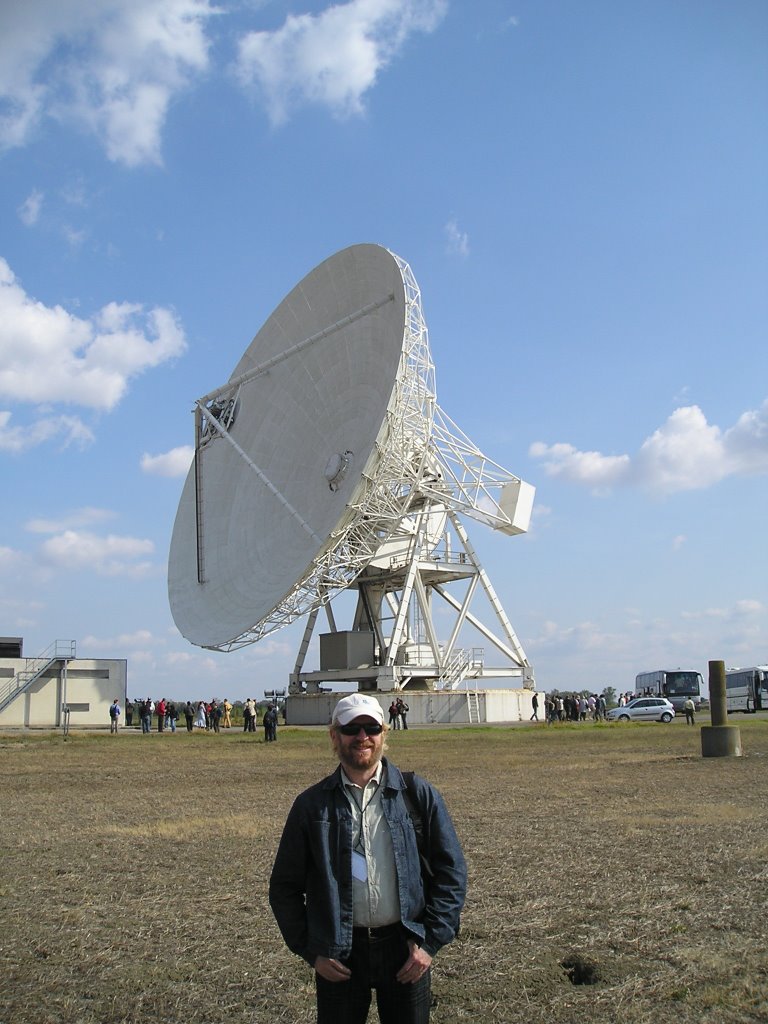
(690, 711)
(535, 706)
(347, 886)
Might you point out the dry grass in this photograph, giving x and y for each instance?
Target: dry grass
(134, 876)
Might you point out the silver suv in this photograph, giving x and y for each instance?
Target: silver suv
(643, 709)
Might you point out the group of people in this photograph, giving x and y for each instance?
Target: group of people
(398, 714)
(574, 707)
(211, 716)
(269, 721)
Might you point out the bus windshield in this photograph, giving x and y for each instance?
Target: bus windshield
(683, 684)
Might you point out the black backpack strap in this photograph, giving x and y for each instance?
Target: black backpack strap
(412, 806)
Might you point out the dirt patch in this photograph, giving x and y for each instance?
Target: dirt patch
(615, 876)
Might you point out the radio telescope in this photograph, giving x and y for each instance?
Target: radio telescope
(324, 465)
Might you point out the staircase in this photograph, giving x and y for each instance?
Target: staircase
(454, 672)
(59, 651)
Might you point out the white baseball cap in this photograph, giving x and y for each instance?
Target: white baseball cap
(357, 705)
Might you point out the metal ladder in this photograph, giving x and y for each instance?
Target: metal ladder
(473, 707)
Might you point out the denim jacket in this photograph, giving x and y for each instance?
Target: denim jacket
(310, 890)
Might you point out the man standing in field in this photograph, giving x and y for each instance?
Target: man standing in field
(348, 887)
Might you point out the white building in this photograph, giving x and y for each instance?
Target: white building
(34, 692)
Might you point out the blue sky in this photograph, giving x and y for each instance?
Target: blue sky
(580, 190)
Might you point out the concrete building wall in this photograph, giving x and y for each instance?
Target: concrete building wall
(438, 707)
(510, 705)
(88, 686)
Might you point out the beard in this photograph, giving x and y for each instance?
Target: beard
(358, 757)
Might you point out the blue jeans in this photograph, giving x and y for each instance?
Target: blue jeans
(374, 963)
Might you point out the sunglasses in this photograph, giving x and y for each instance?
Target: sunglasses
(370, 729)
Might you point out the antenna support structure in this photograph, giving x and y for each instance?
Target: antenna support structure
(403, 485)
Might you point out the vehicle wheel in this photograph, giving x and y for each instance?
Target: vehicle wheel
(666, 717)
(623, 718)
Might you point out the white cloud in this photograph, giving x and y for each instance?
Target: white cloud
(73, 236)
(541, 518)
(112, 66)
(86, 516)
(108, 556)
(458, 241)
(590, 468)
(740, 611)
(685, 453)
(705, 613)
(332, 58)
(29, 211)
(141, 638)
(174, 463)
(19, 439)
(583, 636)
(8, 558)
(50, 355)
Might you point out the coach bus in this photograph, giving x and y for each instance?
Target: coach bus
(746, 689)
(677, 685)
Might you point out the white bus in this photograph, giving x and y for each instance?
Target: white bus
(677, 685)
(746, 689)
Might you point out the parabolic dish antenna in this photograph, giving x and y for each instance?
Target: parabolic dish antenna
(325, 455)
(294, 483)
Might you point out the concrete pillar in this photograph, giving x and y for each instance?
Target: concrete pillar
(719, 739)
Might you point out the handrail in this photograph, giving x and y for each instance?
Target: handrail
(59, 650)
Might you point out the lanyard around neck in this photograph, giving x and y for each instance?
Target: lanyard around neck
(362, 807)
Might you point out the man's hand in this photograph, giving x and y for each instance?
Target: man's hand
(415, 967)
(332, 970)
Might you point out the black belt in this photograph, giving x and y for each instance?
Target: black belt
(376, 933)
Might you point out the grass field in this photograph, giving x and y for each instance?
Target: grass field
(134, 875)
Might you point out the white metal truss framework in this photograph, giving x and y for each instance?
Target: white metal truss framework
(420, 457)
(406, 589)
